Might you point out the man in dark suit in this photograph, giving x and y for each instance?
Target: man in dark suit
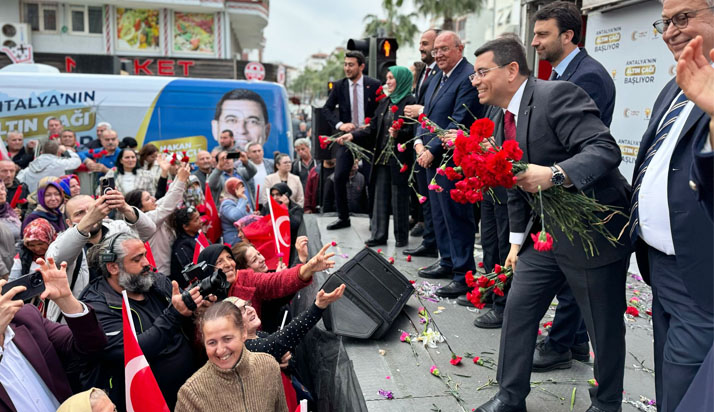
(450, 99)
(672, 235)
(556, 35)
(427, 247)
(33, 347)
(565, 143)
(355, 97)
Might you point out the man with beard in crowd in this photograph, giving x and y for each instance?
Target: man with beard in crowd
(8, 172)
(159, 313)
(88, 225)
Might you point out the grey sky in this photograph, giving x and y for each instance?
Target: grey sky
(299, 28)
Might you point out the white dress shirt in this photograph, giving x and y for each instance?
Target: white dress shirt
(560, 68)
(447, 75)
(653, 207)
(514, 106)
(259, 176)
(360, 99)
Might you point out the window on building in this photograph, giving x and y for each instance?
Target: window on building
(85, 19)
(460, 26)
(41, 17)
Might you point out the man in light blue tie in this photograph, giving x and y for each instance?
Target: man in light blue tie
(671, 233)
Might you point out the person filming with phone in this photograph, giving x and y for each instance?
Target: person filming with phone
(35, 352)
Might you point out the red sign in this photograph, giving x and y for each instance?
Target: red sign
(254, 71)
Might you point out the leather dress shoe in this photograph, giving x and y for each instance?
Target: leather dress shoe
(453, 290)
(433, 266)
(418, 230)
(496, 405)
(545, 358)
(401, 243)
(594, 408)
(421, 250)
(439, 272)
(375, 242)
(338, 224)
(489, 320)
(581, 352)
(462, 301)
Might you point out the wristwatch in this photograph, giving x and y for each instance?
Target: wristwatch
(558, 177)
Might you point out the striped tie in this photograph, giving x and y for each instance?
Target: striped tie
(660, 136)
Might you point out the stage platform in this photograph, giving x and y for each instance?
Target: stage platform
(390, 365)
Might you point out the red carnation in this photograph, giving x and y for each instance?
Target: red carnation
(367, 120)
(480, 264)
(455, 360)
(404, 168)
(166, 151)
(481, 129)
(470, 281)
(421, 117)
(497, 291)
(497, 268)
(631, 310)
(394, 108)
(502, 278)
(542, 241)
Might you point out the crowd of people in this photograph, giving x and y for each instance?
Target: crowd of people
(112, 217)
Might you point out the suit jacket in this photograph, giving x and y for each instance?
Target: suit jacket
(376, 134)
(340, 98)
(499, 195)
(50, 347)
(419, 92)
(453, 100)
(592, 77)
(702, 174)
(559, 123)
(692, 230)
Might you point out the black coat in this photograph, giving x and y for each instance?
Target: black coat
(340, 98)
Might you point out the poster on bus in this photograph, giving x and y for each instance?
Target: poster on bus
(174, 114)
(640, 64)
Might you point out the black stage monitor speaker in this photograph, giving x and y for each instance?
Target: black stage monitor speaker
(376, 292)
(320, 127)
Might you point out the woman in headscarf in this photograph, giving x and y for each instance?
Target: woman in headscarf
(36, 238)
(8, 215)
(234, 206)
(71, 185)
(282, 194)
(258, 287)
(50, 198)
(389, 177)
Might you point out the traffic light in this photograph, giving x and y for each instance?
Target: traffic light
(361, 45)
(330, 85)
(386, 56)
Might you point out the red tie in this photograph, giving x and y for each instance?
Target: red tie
(509, 126)
(426, 74)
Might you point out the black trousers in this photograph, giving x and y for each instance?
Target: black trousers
(494, 237)
(429, 237)
(568, 325)
(683, 331)
(388, 198)
(600, 294)
(343, 166)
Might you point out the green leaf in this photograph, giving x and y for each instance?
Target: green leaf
(572, 398)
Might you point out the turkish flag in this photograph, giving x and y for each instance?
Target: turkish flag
(281, 225)
(213, 230)
(201, 243)
(149, 255)
(262, 234)
(142, 391)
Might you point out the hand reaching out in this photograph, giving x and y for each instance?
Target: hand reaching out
(324, 299)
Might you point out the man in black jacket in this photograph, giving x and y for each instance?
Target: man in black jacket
(355, 97)
(7, 174)
(159, 314)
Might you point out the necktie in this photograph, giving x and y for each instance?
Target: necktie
(426, 75)
(553, 75)
(438, 87)
(660, 137)
(355, 105)
(509, 126)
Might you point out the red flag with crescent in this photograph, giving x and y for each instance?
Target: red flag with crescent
(142, 391)
(262, 235)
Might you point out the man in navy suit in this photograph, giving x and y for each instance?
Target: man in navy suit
(356, 99)
(564, 142)
(427, 247)
(672, 235)
(449, 99)
(556, 35)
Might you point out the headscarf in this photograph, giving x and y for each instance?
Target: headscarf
(78, 403)
(42, 188)
(404, 79)
(245, 221)
(64, 182)
(282, 188)
(39, 229)
(210, 254)
(232, 186)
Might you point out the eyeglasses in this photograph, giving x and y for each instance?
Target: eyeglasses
(481, 73)
(443, 50)
(680, 20)
(245, 305)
